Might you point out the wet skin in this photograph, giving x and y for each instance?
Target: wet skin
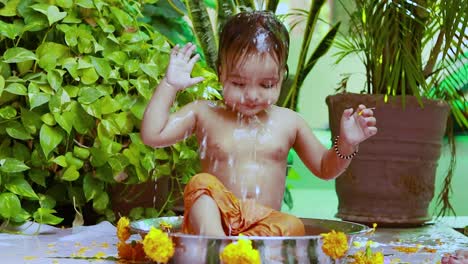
(244, 141)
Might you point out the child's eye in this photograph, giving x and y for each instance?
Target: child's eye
(268, 85)
(238, 84)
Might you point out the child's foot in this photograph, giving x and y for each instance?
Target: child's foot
(459, 257)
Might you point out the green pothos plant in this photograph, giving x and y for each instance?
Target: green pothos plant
(75, 78)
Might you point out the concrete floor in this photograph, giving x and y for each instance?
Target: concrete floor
(316, 198)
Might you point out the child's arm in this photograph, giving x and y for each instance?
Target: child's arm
(326, 164)
(159, 128)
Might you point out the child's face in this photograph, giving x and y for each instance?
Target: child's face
(253, 86)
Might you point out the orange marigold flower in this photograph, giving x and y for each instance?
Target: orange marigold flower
(158, 245)
(240, 252)
(131, 251)
(335, 244)
(123, 229)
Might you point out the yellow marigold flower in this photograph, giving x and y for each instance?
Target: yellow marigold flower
(131, 251)
(165, 226)
(158, 245)
(335, 244)
(240, 252)
(368, 257)
(123, 229)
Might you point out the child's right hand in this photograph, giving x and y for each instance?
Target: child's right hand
(180, 67)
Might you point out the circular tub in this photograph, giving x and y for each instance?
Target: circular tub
(196, 249)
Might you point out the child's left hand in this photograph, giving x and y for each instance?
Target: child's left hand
(357, 126)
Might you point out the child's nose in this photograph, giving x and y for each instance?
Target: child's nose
(251, 95)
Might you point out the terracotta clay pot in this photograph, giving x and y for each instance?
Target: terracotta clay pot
(391, 180)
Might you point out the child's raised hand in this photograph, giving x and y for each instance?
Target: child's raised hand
(357, 126)
(180, 67)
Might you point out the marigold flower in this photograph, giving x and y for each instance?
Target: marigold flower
(335, 244)
(165, 226)
(131, 251)
(158, 245)
(123, 229)
(240, 252)
(367, 256)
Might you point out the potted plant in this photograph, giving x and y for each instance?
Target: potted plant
(391, 180)
(75, 77)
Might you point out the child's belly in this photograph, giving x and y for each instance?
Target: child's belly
(260, 180)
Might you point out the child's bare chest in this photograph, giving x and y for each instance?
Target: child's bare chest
(223, 139)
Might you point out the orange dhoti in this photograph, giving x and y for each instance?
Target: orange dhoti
(246, 217)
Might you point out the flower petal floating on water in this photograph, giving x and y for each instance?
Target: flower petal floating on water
(158, 245)
(335, 244)
(240, 252)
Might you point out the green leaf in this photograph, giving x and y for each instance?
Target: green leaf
(2, 84)
(37, 99)
(92, 187)
(50, 137)
(38, 176)
(292, 174)
(49, 53)
(18, 54)
(17, 88)
(71, 160)
(161, 154)
(7, 112)
(101, 201)
(9, 165)
(124, 19)
(55, 79)
(52, 12)
(65, 3)
(108, 105)
(61, 161)
(70, 174)
(9, 9)
(85, 3)
(102, 67)
(65, 121)
(152, 70)
(10, 31)
(16, 130)
(10, 205)
(89, 76)
(119, 57)
(21, 187)
(47, 201)
(81, 153)
(88, 95)
(98, 157)
(45, 216)
(287, 199)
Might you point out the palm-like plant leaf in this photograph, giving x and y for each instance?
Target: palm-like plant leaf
(272, 5)
(203, 30)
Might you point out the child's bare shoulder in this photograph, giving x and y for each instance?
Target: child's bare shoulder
(283, 112)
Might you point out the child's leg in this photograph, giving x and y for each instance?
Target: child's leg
(205, 218)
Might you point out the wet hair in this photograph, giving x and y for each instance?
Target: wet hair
(252, 32)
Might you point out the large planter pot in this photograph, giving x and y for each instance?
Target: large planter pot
(150, 194)
(391, 180)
